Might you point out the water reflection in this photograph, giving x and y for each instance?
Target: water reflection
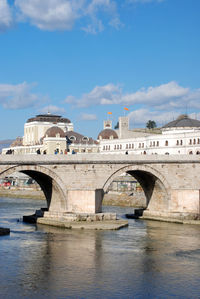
(146, 260)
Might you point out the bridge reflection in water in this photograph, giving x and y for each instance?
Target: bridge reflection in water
(146, 260)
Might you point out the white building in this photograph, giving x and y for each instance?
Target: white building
(181, 136)
(50, 134)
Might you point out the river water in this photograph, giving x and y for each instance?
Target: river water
(148, 259)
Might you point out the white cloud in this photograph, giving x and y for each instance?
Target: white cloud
(50, 14)
(153, 101)
(62, 14)
(93, 15)
(100, 95)
(141, 116)
(165, 96)
(6, 19)
(52, 109)
(18, 96)
(86, 116)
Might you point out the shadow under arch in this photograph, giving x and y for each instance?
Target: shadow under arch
(154, 184)
(49, 182)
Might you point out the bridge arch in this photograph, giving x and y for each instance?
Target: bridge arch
(50, 183)
(155, 186)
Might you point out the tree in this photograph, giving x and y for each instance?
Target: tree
(151, 124)
(117, 126)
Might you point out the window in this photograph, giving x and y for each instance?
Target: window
(181, 142)
(198, 140)
(154, 143)
(129, 145)
(120, 146)
(166, 143)
(126, 146)
(157, 143)
(72, 138)
(132, 145)
(190, 141)
(85, 138)
(194, 141)
(177, 142)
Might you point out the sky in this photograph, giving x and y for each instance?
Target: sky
(84, 58)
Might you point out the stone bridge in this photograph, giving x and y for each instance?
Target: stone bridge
(76, 183)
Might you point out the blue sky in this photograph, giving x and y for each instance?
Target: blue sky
(84, 58)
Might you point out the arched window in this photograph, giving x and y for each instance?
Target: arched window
(72, 138)
(190, 141)
(85, 138)
(181, 142)
(157, 143)
(120, 146)
(198, 140)
(166, 143)
(194, 141)
(132, 145)
(198, 153)
(190, 153)
(177, 142)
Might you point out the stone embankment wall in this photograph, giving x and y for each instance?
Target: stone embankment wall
(23, 193)
(136, 199)
(129, 199)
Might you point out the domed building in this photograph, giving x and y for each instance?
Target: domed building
(54, 141)
(51, 134)
(107, 134)
(183, 122)
(35, 127)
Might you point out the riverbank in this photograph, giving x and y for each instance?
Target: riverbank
(136, 199)
(22, 193)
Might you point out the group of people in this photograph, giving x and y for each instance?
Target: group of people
(55, 152)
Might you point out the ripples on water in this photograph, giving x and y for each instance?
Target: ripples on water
(146, 260)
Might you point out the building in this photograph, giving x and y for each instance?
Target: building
(181, 136)
(51, 134)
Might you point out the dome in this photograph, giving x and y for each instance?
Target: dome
(55, 132)
(49, 118)
(183, 121)
(107, 134)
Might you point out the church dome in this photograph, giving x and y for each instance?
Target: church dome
(55, 132)
(107, 134)
(183, 121)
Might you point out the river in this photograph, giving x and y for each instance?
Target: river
(148, 259)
